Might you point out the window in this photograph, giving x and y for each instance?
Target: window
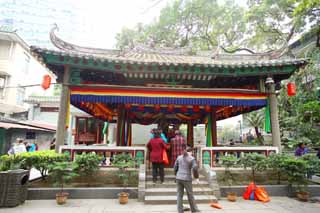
(20, 95)
(30, 135)
(2, 86)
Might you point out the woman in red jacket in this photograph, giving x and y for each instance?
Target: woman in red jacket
(156, 146)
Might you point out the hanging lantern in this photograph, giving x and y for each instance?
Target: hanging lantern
(170, 108)
(196, 108)
(127, 106)
(291, 89)
(157, 107)
(46, 81)
(207, 108)
(184, 109)
(141, 107)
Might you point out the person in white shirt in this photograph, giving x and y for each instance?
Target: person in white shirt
(18, 147)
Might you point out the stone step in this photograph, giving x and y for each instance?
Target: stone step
(172, 184)
(171, 177)
(172, 199)
(173, 191)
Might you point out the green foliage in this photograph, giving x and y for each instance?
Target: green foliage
(228, 162)
(256, 120)
(123, 162)
(254, 161)
(313, 163)
(275, 162)
(299, 115)
(39, 160)
(295, 169)
(61, 173)
(87, 164)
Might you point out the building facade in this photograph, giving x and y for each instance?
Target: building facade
(33, 19)
(18, 70)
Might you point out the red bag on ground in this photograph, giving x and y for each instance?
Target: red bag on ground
(261, 194)
(250, 189)
(165, 157)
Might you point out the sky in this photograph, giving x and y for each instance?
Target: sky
(104, 19)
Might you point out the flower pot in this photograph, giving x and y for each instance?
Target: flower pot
(62, 197)
(123, 197)
(303, 196)
(232, 196)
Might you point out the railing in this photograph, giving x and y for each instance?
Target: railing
(210, 155)
(138, 153)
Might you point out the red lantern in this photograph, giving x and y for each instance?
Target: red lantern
(46, 81)
(291, 89)
(196, 108)
(157, 107)
(141, 107)
(127, 106)
(208, 108)
(184, 108)
(170, 108)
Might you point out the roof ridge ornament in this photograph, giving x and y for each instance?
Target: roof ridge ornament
(68, 47)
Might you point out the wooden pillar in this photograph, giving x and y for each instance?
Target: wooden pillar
(214, 127)
(190, 134)
(63, 108)
(275, 129)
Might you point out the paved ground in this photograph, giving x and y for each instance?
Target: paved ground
(277, 204)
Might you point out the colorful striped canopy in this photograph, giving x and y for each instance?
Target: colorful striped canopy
(166, 96)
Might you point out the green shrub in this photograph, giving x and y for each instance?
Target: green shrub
(39, 160)
(87, 164)
(123, 162)
(228, 162)
(275, 162)
(296, 169)
(313, 163)
(61, 173)
(256, 162)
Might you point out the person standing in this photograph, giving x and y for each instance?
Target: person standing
(156, 146)
(178, 145)
(18, 147)
(183, 167)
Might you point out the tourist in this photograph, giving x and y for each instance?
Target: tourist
(163, 137)
(177, 145)
(301, 150)
(183, 167)
(53, 144)
(18, 147)
(31, 147)
(156, 146)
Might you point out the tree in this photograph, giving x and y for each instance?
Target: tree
(299, 115)
(256, 120)
(262, 26)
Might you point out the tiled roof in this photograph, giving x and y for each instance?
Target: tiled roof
(132, 57)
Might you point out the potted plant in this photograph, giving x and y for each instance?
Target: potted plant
(61, 173)
(228, 162)
(296, 169)
(87, 165)
(123, 162)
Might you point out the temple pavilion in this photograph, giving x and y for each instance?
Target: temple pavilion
(163, 86)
